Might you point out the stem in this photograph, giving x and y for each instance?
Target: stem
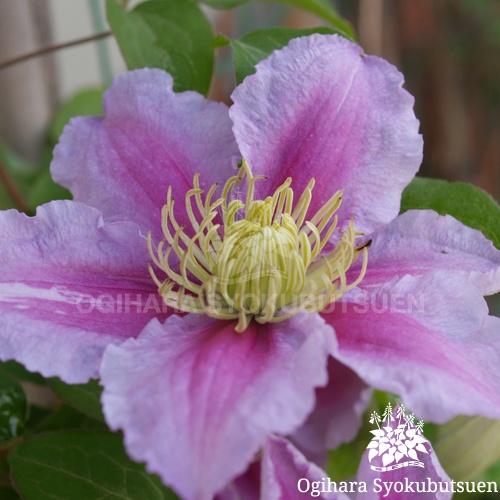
(53, 48)
(12, 189)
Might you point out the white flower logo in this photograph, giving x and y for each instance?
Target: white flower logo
(399, 439)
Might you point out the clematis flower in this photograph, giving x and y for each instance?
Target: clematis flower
(267, 308)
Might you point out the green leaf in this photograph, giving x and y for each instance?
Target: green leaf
(20, 172)
(185, 34)
(7, 493)
(256, 46)
(173, 35)
(45, 189)
(467, 203)
(322, 8)
(16, 165)
(494, 304)
(12, 408)
(87, 102)
(224, 4)
(135, 38)
(343, 462)
(81, 465)
(84, 397)
(35, 415)
(18, 372)
(67, 418)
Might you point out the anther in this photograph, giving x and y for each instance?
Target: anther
(261, 259)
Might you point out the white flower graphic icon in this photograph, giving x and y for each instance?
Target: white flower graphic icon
(398, 443)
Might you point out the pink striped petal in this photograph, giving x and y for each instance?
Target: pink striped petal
(322, 108)
(70, 285)
(421, 240)
(287, 474)
(196, 399)
(150, 138)
(337, 415)
(244, 487)
(427, 339)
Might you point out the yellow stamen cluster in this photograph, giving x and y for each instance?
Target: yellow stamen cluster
(255, 259)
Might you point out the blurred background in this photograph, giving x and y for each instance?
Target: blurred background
(448, 50)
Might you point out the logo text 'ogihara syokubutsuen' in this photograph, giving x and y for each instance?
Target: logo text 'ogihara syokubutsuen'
(397, 443)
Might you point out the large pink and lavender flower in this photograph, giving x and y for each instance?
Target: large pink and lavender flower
(198, 400)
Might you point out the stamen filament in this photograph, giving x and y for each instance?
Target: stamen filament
(261, 259)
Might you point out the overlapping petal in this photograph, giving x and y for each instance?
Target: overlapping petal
(421, 240)
(70, 285)
(337, 414)
(196, 399)
(426, 339)
(285, 469)
(321, 108)
(282, 473)
(244, 487)
(434, 483)
(287, 474)
(150, 138)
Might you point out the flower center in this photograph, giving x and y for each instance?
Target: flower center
(255, 259)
